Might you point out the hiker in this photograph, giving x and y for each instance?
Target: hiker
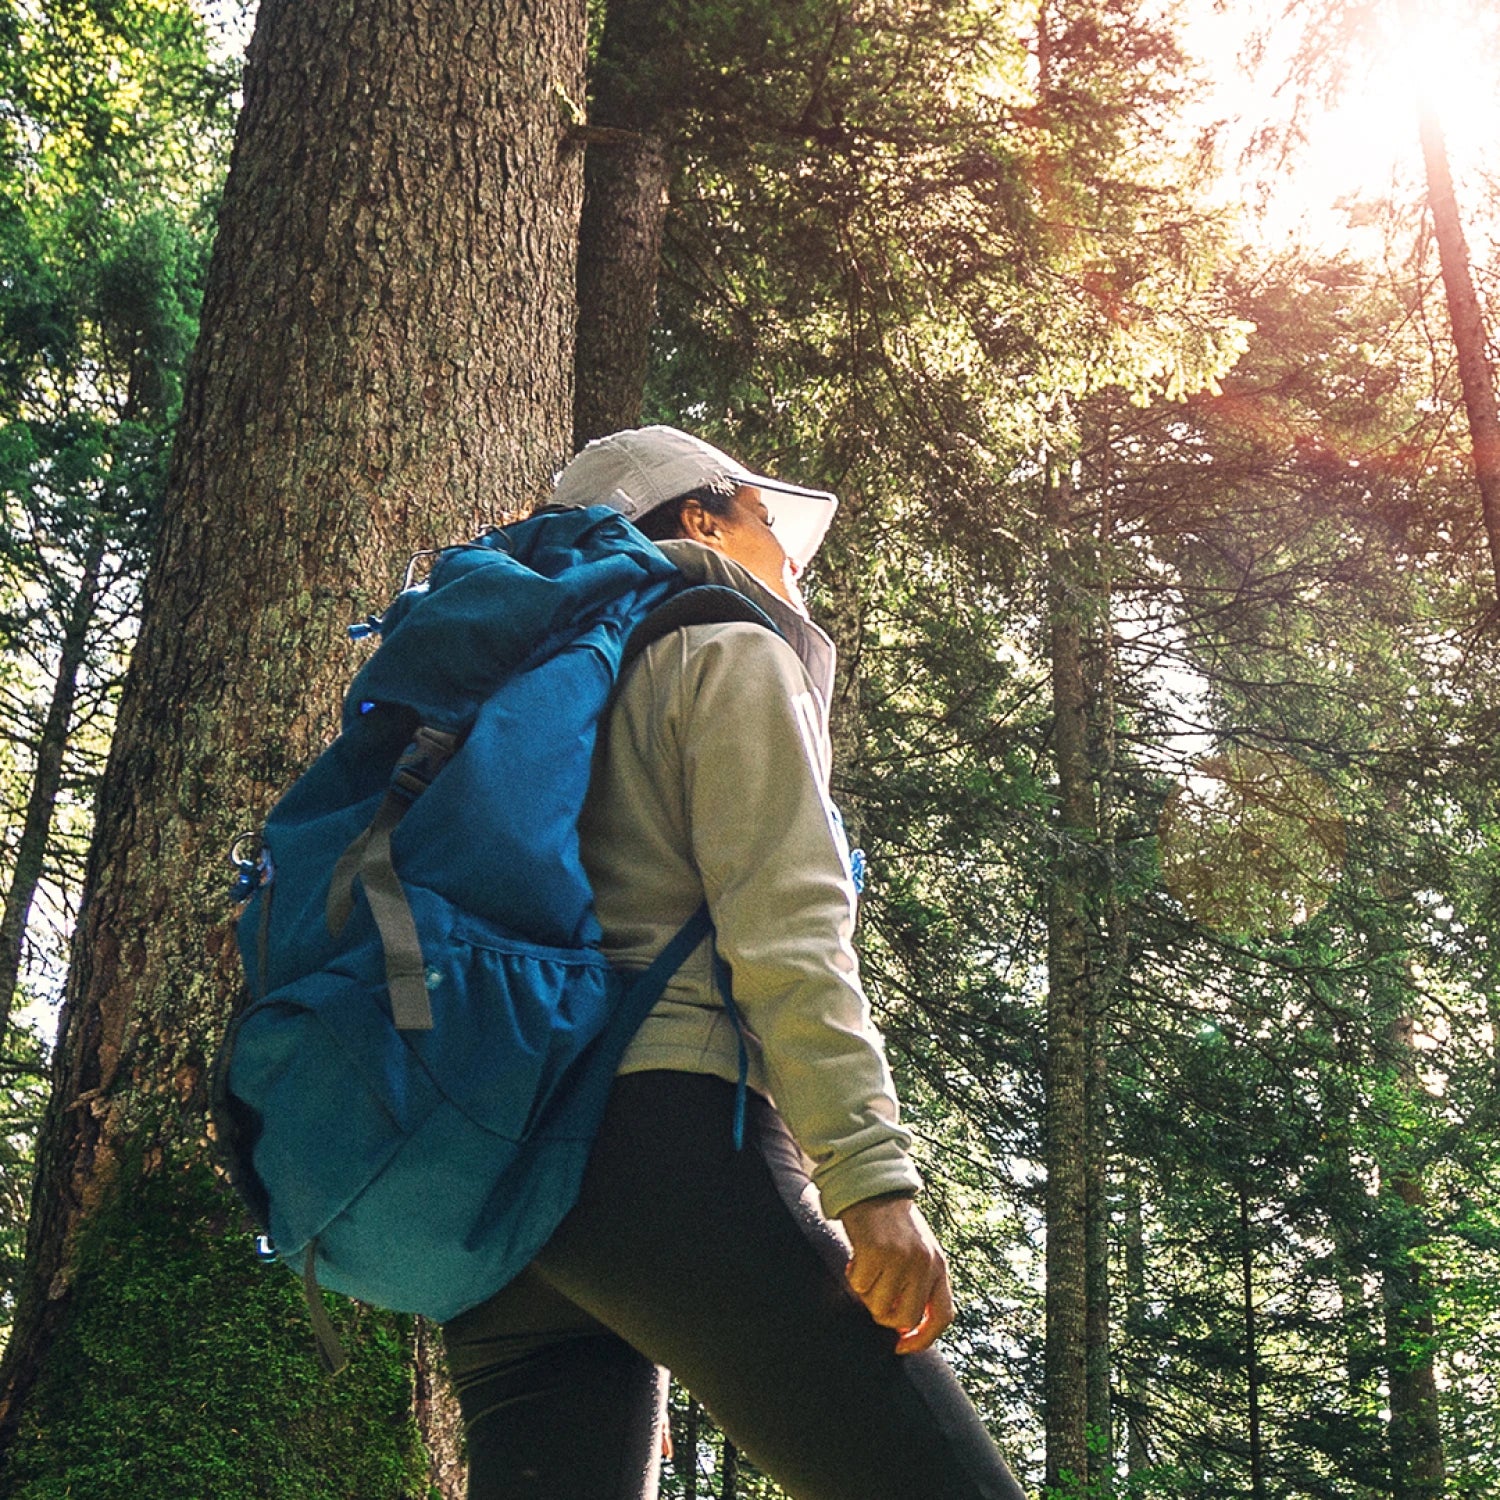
(792, 1284)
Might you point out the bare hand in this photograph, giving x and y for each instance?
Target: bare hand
(898, 1270)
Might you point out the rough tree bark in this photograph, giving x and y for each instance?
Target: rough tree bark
(385, 362)
(46, 781)
(619, 252)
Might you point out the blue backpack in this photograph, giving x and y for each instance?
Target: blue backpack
(407, 1102)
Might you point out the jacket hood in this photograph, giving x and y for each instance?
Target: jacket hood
(814, 647)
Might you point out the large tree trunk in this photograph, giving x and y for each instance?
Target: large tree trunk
(46, 781)
(385, 362)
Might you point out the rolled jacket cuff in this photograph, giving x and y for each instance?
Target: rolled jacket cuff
(854, 1180)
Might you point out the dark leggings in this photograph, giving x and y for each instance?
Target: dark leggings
(714, 1263)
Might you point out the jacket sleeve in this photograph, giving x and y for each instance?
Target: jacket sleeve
(776, 875)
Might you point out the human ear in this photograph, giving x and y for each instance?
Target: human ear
(699, 524)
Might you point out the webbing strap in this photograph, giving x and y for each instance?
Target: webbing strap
(405, 968)
(330, 1350)
(722, 978)
(368, 860)
(341, 885)
(263, 940)
(647, 990)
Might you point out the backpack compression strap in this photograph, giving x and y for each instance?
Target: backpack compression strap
(368, 860)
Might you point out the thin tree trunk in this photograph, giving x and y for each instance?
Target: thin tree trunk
(685, 1450)
(1138, 1432)
(1105, 970)
(1475, 373)
(730, 1478)
(1348, 1221)
(1252, 1347)
(1471, 342)
(1418, 1468)
(46, 781)
(1065, 1373)
(385, 361)
(1100, 1418)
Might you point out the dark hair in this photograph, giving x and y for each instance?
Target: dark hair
(664, 522)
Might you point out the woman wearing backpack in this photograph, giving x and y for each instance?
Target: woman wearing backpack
(792, 1284)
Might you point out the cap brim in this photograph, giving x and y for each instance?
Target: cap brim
(803, 516)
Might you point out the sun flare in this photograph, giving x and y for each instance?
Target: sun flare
(1440, 56)
(1443, 55)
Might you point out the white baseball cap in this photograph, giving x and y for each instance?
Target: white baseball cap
(637, 470)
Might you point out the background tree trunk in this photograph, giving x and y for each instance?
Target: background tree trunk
(1252, 1344)
(685, 1450)
(1100, 1418)
(641, 73)
(1470, 341)
(730, 1479)
(1109, 955)
(1065, 1384)
(619, 251)
(385, 362)
(46, 780)
(1137, 1314)
(1416, 1435)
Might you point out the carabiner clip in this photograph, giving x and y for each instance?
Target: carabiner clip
(250, 874)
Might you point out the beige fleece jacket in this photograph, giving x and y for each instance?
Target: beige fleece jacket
(713, 780)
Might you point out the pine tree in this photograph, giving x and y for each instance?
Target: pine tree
(384, 362)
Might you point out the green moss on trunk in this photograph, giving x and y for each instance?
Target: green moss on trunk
(186, 1369)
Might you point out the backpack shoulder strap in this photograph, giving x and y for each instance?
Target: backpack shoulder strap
(702, 604)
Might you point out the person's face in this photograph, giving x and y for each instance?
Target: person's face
(747, 536)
